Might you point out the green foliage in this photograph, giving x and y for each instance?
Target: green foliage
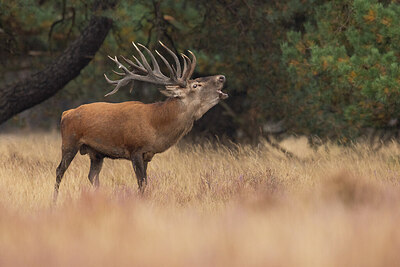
(327, 68)
(344, 69)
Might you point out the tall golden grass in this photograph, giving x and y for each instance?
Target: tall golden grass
(204, 206)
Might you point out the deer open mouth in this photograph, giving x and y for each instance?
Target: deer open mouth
(222, 95)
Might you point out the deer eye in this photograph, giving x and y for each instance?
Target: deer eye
(196, 85)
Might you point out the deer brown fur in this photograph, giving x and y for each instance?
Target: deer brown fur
(133, 130)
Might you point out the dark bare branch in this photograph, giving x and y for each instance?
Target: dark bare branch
(26, 93)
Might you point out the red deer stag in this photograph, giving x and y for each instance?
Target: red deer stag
(133, 130)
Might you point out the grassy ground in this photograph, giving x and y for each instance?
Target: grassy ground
(204, 206)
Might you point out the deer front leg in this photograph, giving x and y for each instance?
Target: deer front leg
(147, 157)
(139, 166)
(145, 172)
(96, 162)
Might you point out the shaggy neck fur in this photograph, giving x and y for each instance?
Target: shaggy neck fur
(172, 119)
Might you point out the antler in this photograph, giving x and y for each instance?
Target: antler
(142, 71)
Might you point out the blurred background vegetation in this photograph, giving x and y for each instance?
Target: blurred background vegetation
(325, 69)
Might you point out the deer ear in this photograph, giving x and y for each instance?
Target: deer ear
(172, 91)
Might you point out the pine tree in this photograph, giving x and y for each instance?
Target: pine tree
(344, 69)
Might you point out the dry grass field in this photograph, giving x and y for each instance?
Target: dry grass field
(204, 206)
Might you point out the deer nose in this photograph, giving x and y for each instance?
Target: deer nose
(221, 78)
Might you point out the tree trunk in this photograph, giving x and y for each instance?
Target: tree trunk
(44, 84)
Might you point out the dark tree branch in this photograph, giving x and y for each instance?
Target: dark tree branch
(44, 84)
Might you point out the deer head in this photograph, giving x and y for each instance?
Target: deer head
(201, 93)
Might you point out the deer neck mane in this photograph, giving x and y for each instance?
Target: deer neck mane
(172, 119)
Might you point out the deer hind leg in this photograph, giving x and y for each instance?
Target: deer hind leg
(96, 162)
(67, 157)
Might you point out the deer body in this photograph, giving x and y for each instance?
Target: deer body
(136, 127)
(133, 130)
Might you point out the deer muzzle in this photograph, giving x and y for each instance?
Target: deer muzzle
(221, 94)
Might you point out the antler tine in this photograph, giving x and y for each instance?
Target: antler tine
(193, 65)
(171, 71)
(144, 61)
(136, 67)
(119, 84)
(115, 89)
(177, 63)
(120, 66)
(138, 62)
(186, 74)
(110, 81)
(154, 62)
(185, 65)
(118, 73)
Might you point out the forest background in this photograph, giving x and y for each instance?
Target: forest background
(328, 70)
